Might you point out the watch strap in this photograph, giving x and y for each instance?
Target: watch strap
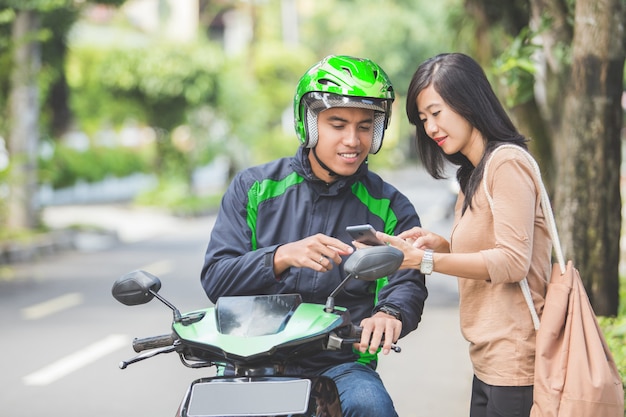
(427, 264)
(391, 310)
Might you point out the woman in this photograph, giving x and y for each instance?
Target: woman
(458, 118)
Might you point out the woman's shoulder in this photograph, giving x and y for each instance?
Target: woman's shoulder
(511, 154)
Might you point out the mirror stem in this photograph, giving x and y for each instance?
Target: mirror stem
(330, 301)
(177, 315)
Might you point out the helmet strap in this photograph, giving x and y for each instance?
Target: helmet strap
(323, 165)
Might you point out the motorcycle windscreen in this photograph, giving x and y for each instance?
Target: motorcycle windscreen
(255, 315)
(250, 398)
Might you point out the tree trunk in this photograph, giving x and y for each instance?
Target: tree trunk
(588, 151)
(24, 119)
(529, 120)
(551, 75)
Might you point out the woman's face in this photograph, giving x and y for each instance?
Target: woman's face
(451, 131)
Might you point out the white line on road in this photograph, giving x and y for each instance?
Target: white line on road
(75, 361)
(49, 307)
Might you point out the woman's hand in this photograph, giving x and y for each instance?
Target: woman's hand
(423, 239)
(413, 242)
(412, 255)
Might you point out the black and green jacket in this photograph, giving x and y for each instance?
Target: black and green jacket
(279, 202)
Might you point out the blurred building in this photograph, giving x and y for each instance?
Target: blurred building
(177, 20)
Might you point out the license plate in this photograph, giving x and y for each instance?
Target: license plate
(243, 397)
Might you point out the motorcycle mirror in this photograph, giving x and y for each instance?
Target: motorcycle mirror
(374, 262)
(137, 287)
(367, 264)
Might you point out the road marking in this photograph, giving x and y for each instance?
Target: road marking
(158, 268)
(75, 361)
(49, 307)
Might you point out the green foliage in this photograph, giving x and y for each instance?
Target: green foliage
(252, 97)
(67, 165)
(93, 105)
(157, 85)
(56, 19)
(164, 73)
(160, 85)
(397, 35)
(48, 5)
(515, 70)
(614, 329)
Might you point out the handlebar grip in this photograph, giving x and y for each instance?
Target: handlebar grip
(350, 334)
(355, 335)
(153, 342)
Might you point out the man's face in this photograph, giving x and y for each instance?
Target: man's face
(345, 138)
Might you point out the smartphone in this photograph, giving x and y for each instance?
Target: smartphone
(364, 233)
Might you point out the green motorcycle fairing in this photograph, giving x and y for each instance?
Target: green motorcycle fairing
(251, 327)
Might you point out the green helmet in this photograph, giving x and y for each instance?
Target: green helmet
(342, 81)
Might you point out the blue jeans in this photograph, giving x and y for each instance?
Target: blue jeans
(361, 391)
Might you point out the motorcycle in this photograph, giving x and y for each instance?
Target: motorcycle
(256, 337)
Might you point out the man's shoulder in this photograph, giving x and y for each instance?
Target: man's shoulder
(272, 170)
(384, 187)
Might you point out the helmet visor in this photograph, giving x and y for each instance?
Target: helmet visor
(317, 101)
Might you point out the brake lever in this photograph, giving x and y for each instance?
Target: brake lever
(147, 354)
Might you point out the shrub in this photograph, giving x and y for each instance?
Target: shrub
(67, 165)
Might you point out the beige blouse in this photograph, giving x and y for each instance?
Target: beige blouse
(515, 243)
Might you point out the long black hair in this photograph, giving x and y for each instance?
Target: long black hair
(463, 85)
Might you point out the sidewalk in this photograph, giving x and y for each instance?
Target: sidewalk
(126, 222)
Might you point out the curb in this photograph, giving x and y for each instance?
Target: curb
(55, 242)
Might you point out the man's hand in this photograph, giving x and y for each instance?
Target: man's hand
(381, 327)
(318, 252)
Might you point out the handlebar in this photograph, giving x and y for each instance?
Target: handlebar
(155, 345)
(350, 335)
(153, 342)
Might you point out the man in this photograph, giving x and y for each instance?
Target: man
(282, 226)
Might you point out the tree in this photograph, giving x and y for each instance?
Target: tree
(564, 78)
(24, 114)
(164, 92)
(588, 148)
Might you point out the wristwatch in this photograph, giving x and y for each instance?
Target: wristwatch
(392, 311)
(426, 267)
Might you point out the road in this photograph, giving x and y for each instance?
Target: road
(63, 333)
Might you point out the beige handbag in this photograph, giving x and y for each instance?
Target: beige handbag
(575, 374)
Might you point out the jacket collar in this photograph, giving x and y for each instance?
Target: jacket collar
(302, 166)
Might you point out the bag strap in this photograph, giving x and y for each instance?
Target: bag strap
(548, 214)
